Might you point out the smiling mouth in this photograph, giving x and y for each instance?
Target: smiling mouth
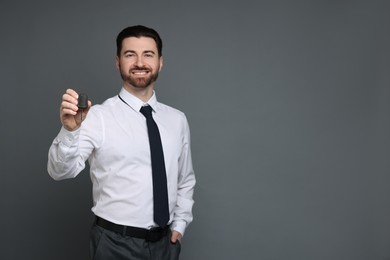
(140, 73)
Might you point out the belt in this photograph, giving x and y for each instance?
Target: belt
(150, 235)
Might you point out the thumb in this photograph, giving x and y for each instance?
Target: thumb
(87, 109)
(84, 112)
(176, 236)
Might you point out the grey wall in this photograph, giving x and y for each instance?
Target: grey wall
(288, 105)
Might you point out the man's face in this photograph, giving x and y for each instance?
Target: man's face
(139, 62)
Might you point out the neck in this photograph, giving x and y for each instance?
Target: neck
(143, 94)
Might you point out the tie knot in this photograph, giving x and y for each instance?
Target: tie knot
(146, 111)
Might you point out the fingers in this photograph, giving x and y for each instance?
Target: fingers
(70, 114)
(69, 103)
(73, 93)
(176, 236)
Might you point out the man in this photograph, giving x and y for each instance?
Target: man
(117, 138)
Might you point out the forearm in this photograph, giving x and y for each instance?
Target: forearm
(185, 188)
(64, 159)
(183, 211)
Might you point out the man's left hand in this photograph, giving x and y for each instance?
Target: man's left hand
(176, 236)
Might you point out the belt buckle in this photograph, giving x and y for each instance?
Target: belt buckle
(154, 234)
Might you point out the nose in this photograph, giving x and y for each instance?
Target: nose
(139, 62)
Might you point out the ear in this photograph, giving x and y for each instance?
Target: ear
(161, 63)
(117, 62)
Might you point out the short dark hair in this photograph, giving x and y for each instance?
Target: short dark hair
(138, 31)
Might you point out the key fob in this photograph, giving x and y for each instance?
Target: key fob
(83, 101)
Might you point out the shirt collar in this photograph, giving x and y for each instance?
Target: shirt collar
(136, 103)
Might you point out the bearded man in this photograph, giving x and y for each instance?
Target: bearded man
(139, 154)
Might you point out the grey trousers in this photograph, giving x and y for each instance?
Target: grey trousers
(107, 245)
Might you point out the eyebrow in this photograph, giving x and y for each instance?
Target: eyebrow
(147, 51)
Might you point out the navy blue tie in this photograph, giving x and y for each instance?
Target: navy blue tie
(160, 192)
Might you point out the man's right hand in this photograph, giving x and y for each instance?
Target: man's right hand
(71, 116)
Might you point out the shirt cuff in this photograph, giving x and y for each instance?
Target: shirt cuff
(67, 137)
(179, 226)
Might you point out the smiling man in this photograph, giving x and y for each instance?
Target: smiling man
(139, 155)
(139, 63)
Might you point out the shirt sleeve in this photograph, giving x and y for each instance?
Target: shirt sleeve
(70, 149)
(186, 182)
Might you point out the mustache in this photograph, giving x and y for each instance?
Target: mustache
(139, 68)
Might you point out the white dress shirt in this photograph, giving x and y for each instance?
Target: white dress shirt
(114, 139)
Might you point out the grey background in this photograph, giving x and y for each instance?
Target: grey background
(288, 104)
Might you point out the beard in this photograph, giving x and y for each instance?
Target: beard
(136, 81)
